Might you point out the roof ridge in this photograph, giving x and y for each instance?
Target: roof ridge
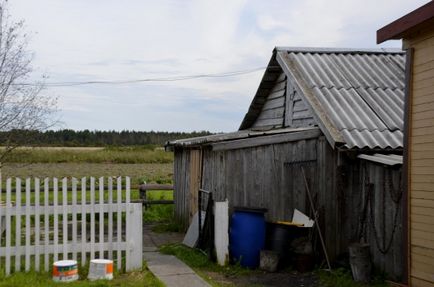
(326, 50)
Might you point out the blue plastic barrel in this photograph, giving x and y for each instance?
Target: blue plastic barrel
(247, 236)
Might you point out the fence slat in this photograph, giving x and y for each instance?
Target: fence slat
(46, 225)
(65, 217)
(56, 220)
(37, 224)
(110, 217)
(27, 253)
(83, 221)
(119, 222)
(8, 226)
(74, 216)
(18, 223)
(92, 218)
(101, 217)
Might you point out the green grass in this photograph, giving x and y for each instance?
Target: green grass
(42, 279)
(342, 278)
(90, 155)
(197, 260)
(160, 213)
(149, 172)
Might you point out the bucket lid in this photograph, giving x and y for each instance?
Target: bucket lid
(250, 209)
(101, 261)
(64, 263)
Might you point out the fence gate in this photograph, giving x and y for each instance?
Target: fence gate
(42, 222)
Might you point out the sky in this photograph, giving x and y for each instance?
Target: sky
(87, 40)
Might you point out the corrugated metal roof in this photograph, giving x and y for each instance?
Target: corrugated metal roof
(388, 159)
(362, 92)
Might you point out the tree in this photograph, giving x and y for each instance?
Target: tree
(24, 108)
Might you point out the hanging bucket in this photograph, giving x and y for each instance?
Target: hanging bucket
(100, 269)
(360, 262)
(65, 271)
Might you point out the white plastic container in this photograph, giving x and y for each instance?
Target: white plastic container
(65, 271)
(100, 269)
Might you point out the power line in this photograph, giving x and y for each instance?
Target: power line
(161, 79)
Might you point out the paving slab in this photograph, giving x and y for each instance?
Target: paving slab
(169, 269)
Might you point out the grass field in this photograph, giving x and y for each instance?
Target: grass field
(113, 155)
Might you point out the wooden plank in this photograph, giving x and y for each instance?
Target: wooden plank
(302, 114)
(74, 215)
(277, 94)
(65, 217)
(101, 217)
(414, 202)
(110, 217)
(289, 105)
(276, 113)
(415, 132)
(416, 280)
(92, 218)
(423, 123)
(427, 170)
(83, 222)
(265, 140)
(8, 229)
(423, 115)
(423, 227)
(56, 219)
(151, 186)
(268, 122)
(426, 236)
(415, 155)
(37, 224)
(274, 103)
(134, 237)
(423, 108)
(27, 235)
(119, 222)
(421, 218)
(18, 224)
(46, 225)
(299, 105)
(423, 162)
(422, 96)
(195, 179)
(420, 193)
(422, 139)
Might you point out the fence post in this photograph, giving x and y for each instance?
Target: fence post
(134, 237)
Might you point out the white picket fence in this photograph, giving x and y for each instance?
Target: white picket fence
(54, 221)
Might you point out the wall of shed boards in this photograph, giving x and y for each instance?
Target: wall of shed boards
(421, 158)
(270, 177)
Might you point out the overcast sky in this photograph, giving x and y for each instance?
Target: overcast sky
(81, 40)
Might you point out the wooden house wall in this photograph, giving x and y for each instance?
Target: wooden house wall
(421, 158)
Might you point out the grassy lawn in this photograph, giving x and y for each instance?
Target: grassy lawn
(42, 279)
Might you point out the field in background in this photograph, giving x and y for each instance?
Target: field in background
(147, 163)
(113, 155)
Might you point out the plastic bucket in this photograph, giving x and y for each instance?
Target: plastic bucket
(100, 269)
(65, 271)
(247, 236)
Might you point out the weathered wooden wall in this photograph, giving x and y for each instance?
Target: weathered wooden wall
(270, 176)
(371, 203)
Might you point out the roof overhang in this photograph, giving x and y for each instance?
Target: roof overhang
(417, 19)
(245, 139)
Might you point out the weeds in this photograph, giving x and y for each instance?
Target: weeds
(342, 278)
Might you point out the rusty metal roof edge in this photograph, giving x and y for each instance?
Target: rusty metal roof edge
(339, 50)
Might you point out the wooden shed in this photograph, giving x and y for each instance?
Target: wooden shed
(417, 31)
(336, 113)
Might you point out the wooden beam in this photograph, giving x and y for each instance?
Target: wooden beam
(266, 140)
(332, 134)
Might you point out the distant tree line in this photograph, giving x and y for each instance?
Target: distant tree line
(86, 138)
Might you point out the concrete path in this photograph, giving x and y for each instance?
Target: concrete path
(169, 269)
